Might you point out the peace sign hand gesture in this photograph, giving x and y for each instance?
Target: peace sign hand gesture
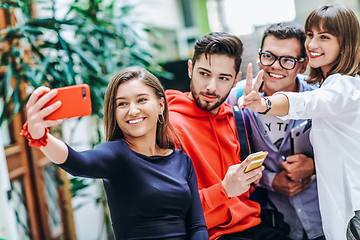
(253, 100)
(251, 97)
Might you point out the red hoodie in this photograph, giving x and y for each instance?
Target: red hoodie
(212, 144)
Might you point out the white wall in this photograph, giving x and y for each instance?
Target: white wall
(161, 13)
(241, 16)
(7, 213)
(167, 15)
(304, 7)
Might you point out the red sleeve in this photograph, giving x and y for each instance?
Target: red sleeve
(212, 197)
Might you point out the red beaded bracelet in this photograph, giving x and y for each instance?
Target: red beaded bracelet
(41, 142)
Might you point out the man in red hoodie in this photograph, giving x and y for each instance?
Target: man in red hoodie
(206, 127)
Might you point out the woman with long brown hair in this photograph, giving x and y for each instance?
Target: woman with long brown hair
(151, 187)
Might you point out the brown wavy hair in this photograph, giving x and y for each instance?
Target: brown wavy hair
(342, 23)
(165, 133)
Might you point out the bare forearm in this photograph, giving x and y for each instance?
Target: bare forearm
(280, 105)
(55, 150)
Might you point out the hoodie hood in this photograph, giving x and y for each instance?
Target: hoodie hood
(181, 102)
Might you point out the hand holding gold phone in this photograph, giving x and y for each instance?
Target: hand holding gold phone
(257, 160)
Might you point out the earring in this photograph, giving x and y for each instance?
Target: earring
(161, 118)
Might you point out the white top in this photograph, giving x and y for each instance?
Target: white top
(335, 110)
(275, 128)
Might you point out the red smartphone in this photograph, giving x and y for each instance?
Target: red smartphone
(76, 102)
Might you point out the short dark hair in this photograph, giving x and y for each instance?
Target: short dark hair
(286, 30)
(221, 43)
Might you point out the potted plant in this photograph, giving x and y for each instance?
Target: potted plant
(39, 51)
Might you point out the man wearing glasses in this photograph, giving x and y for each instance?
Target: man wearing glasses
(288, 179)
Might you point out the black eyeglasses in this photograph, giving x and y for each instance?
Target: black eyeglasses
(286, 62)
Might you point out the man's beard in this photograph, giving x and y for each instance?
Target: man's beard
(208, 106)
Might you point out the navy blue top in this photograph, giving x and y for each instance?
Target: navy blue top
(150, 197)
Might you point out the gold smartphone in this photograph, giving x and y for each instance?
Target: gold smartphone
(257, 161)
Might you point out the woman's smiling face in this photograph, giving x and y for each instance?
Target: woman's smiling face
(322, 48)
(137, 109)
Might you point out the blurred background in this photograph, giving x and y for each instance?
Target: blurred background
(65, 42)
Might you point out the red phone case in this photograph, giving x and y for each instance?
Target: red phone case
(76, 102)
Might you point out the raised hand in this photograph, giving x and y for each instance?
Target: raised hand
(253, 100)
(236, 182)
(251, 97)
(36, 111)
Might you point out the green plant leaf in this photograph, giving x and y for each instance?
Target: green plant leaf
(9, 4)
(10, 34)
(107, 39)
(77, 184)
(35, 31)
(5, 58)
(56, 75)
(89, 63)
(50, 23)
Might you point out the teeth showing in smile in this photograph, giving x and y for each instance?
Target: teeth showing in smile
(136, 121)
(315, 54)
(276, 75)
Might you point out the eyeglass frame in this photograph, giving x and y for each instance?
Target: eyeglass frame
(278, 58)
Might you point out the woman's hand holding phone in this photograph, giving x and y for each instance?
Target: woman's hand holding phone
(36, 112)
(47, 108)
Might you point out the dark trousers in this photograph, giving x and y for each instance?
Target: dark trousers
(318, 238)
(259, 232)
